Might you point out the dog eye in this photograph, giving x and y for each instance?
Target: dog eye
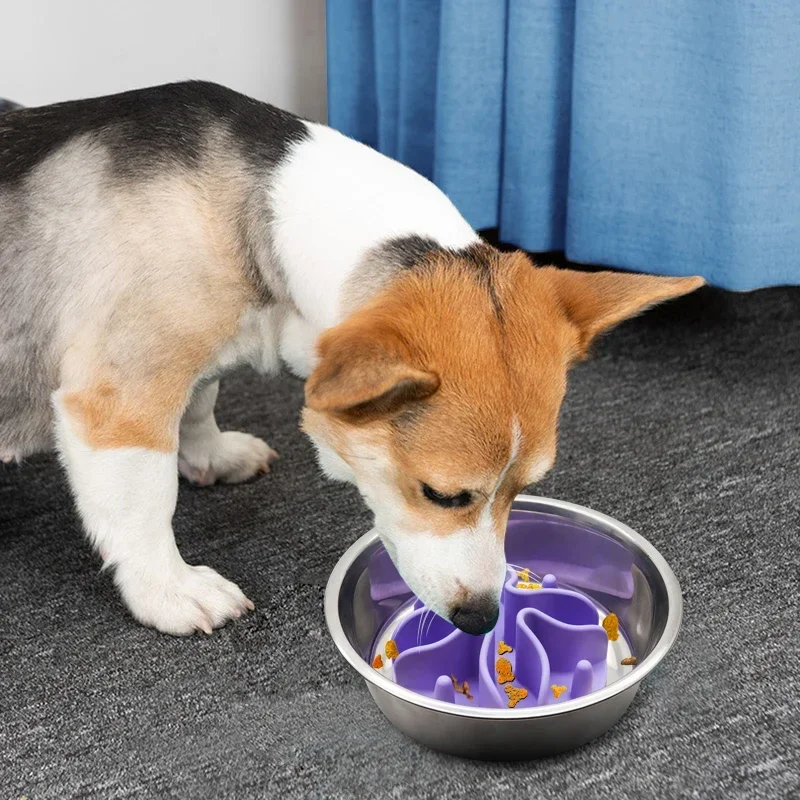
(447, 500)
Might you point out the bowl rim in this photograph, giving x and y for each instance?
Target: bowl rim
(571, 511)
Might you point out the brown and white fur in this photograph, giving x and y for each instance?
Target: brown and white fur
(151, 241)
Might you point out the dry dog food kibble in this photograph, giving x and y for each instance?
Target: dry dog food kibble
(629, 661)
(504, 672)
(515, 695)
(529, 586)
(377, 661)
(391, 649)
(558, 690)
(504, 648)
(611, 624)
(461, 688)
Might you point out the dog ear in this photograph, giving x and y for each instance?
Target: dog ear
(364, 372)
(595, 302)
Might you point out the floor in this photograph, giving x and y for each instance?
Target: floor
(685, 425)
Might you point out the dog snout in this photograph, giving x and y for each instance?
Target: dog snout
(476, 616)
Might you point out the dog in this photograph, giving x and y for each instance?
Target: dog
(151, 241)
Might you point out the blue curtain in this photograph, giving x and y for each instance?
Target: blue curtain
(654, 135)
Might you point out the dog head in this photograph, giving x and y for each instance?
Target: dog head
(440, 398)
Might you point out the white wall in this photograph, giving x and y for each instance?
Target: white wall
(273, 50)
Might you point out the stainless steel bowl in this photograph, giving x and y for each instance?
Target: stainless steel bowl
(651, 617)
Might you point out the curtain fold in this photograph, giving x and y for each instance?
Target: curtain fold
(650, 136)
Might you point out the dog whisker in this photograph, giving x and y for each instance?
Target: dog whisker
(419, 627)
(430, 622)
(534, 576)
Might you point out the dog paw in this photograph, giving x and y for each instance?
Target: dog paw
(182, 601)
(232, 457)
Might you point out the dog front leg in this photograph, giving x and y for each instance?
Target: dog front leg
(126, 496)
(208, 455)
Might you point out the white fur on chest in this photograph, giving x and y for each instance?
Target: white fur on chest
(334, 200)
(256, 342)
(264, 338)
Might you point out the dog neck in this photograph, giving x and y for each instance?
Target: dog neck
(344, 219)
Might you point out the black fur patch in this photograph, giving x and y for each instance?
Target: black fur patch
(410, 252)
(147, 130)
(485, 260)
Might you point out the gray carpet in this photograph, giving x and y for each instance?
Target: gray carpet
(685, 425)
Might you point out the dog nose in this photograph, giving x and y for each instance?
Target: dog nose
(476, 616)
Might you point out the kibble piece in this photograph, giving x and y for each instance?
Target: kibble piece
(515, 694)
(630, 661)
(504, 671)
(377, 661)
(391, 649)
(524, 574)
(558, 690)
(461, 688)
(504, 648)
(611, 624)
(529, 586)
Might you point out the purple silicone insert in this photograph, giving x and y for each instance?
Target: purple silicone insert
(562, 548)
(554, 631)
